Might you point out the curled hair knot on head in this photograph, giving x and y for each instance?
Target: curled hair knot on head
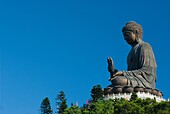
(134, 27)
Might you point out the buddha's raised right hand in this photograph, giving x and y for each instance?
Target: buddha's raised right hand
(110, 64)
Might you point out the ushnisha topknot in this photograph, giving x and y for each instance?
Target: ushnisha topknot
(134, 27)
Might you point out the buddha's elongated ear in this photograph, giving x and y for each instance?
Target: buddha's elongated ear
(136, 31)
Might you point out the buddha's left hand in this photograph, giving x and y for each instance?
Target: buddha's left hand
(119, 73)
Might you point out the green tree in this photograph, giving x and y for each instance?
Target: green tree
(127, 107)
(96, 93)
(162, 107)
(134, 96)
(72, 110)
(122, 106)
(99, 107)
(45, 107)
(61, 102)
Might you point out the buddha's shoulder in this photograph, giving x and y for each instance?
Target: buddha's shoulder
(145, 45)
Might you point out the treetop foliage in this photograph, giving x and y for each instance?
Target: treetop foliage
(45, 107)
(113, 106)
(96, 93)
(61, 102)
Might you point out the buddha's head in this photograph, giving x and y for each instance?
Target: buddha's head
(132, 32)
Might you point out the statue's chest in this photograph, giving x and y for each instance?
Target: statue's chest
(133, 58)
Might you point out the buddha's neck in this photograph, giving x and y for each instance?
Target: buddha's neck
(136, 42)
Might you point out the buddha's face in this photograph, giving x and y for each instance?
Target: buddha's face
(130, 37)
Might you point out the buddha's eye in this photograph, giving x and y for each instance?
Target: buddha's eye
(126, 34)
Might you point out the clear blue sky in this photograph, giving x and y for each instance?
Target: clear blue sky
(51, 45)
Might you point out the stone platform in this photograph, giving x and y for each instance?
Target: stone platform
(126, 92)
(127, 96)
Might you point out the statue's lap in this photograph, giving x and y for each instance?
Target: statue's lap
(129, 81)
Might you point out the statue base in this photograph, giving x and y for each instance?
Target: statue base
(126, 92)
(127, 96)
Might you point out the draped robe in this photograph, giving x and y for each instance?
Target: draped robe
(141, 66)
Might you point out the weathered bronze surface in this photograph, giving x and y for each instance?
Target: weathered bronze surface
(148, 90)
(155, 91)
(138, 89)
(117, 89)
(160, 94)
(128, 89)
(141, 71)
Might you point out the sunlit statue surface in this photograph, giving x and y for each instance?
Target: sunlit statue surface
(141, 71)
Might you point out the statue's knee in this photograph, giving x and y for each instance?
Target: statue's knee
(120, 80)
